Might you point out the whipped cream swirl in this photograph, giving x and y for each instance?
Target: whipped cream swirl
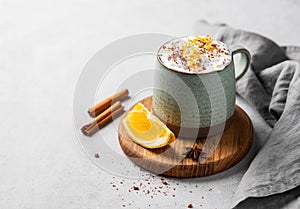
(195, 55)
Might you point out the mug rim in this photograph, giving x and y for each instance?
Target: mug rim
(191, 73)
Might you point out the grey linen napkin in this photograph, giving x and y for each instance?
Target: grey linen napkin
(272, 86)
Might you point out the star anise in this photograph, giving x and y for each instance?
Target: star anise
(195, 153)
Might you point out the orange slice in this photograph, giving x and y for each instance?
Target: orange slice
(146, 129)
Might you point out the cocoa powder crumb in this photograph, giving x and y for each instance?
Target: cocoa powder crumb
(135, 188)
(165, 183)
(96, 155)
(190, 205)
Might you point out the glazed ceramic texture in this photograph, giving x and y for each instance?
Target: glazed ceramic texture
(194, 100)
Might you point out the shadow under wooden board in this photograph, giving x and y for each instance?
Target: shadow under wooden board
(170, 160)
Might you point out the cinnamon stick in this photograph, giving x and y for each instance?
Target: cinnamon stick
(103, 105)
(95, 125)
(101, 116)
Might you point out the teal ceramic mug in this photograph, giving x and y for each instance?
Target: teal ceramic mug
(195, 103)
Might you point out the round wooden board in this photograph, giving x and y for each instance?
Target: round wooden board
(170, 160)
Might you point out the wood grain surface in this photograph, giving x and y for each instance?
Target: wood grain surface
(230, 148)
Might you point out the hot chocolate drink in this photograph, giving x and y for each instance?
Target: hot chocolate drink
(194, 84)
(195, 55)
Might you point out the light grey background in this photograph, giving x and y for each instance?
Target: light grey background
(44, 45)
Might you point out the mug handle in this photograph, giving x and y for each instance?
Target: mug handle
(242, 65)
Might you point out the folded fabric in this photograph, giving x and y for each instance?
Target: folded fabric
(272, 86)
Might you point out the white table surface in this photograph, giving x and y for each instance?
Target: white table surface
(44, 45)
